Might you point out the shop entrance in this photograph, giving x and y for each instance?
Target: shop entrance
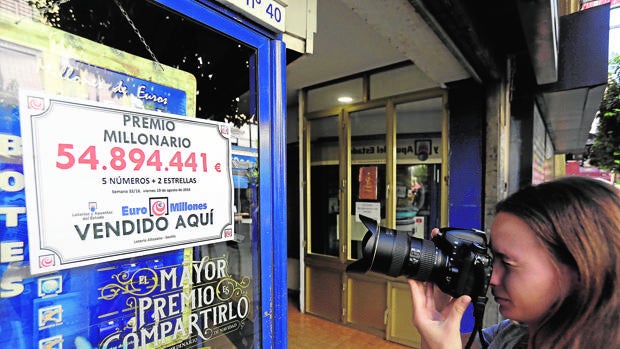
(383, 159)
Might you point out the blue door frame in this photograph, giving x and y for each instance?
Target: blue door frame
(272, 156)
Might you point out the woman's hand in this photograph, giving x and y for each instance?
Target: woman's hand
(436, 315)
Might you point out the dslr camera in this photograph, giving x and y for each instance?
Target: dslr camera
(456, 260)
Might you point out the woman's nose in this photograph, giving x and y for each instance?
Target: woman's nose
(496, 275)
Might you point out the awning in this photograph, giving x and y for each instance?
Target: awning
(569, 105)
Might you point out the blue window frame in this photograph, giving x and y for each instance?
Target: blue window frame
(271, 68)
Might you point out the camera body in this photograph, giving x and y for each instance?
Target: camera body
(466, 266)
(456, 260)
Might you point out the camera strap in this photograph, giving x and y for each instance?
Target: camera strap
(480, 301)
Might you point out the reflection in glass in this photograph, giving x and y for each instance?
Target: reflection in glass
(418, 170)
(222, 74)
(417, 197)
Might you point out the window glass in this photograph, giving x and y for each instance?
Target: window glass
(422, 116)
(221, 65)
(205, 296)
(324, 191)
(368, 149)
(418, 169)
(417, 198)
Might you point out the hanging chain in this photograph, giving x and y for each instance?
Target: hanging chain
(135, 29)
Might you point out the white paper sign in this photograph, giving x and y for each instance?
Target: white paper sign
(368, 209)
(105, 183)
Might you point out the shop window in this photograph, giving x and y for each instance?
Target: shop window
(103, 52)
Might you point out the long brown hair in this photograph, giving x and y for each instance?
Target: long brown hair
(578, 221)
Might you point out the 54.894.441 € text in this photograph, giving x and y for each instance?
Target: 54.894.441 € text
(134, 159)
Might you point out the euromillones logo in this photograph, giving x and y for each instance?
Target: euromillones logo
(158, 206)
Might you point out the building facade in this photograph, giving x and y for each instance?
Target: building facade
(487, 98)
(160, 160)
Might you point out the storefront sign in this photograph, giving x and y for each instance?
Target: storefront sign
(104, 183)
(408, 148)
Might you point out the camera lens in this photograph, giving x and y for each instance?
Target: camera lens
(395, 253)
(456, 260)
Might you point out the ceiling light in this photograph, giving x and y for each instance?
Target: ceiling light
(345, 99)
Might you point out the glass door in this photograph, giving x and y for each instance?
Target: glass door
(323, 270)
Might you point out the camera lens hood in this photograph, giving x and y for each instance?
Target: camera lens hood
(369, 243)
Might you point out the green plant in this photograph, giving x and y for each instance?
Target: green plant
(605, 151)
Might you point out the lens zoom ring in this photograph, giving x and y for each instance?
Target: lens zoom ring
(427, 260)
(400, 249)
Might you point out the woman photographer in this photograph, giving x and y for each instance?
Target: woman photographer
(556, 273)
